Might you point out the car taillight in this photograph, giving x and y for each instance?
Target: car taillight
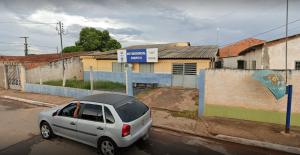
(125, 130)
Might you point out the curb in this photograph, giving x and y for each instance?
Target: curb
(256, 143)
(238, 140)
(37, 103)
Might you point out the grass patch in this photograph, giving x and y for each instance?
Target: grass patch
(250, 114)
(185, 114)
(101, 85)
(240, 113)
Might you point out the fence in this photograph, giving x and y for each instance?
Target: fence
(61, 91)
(2, 77)
(160, 79)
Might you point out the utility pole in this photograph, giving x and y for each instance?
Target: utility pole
(286, 40)
(218, 36)
(289, 88)
(60, 33)
(25, 45)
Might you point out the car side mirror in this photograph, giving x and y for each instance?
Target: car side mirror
(55, 113)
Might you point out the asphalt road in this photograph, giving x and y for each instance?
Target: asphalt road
(161, 142)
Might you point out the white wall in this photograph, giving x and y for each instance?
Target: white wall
(255, 55)
(231, 62)
(277, 54)
(54, 71)
(274, 57)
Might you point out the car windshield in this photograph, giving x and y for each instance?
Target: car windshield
(132, 110)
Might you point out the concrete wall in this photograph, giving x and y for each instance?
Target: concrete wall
(255, 55)
(237, 88)
(161, 79)
(61, 91)
(165, 66)
(162, 66)
(231, 62)
(277, 54)
(54, 70)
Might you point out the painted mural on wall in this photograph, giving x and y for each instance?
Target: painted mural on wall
(272, 80)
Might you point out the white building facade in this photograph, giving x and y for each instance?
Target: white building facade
(270, 55)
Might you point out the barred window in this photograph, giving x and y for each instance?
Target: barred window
(297, 65)
(184, 69)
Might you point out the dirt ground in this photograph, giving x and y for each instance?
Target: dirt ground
(172, 99)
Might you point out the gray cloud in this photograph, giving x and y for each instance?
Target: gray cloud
(143, 21)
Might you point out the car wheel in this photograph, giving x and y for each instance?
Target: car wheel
(107, 147)
(46, 130)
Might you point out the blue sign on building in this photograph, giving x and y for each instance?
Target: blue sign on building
(136, 55)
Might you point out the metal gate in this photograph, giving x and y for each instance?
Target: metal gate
(2, 76)
(13, 76)
(184, 75)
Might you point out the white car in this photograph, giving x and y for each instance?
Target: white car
(104, 121)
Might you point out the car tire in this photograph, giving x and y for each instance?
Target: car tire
(106, 146)
(46, 131)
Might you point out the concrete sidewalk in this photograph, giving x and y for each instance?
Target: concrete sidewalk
(36, 97)
(240, 131)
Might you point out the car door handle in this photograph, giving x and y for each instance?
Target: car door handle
(72, 123)
(100, 128)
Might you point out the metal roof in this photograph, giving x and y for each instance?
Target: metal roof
(168, 51)
(115, 100)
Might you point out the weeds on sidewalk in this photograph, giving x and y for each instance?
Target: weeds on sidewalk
(185, 114)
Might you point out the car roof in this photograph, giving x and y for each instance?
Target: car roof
(116, 100)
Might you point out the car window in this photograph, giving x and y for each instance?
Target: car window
(68, 110)
(109, 118)
(92, 112)
(132, 110)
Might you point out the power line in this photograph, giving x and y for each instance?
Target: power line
(43, 46)
(27, 22)
(267, 31)
(11, 43)
(276, 28)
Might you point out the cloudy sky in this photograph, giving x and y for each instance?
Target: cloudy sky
(135, 22)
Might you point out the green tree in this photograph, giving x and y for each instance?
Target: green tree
(113, 44)
(91, 39)
(72, 49)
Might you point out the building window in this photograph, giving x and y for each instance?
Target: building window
(184, 69)
(241, 64)
(297, 65)
(177, 69)
(190, 69)
(146, 68)
(118, 67)
(253, 64)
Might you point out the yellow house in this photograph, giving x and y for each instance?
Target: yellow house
(202, 57)
(178, 59)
